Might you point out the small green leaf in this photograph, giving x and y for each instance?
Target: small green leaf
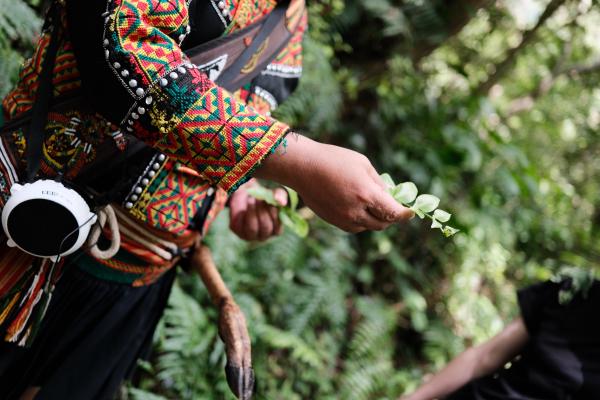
(441, 215)
(435, 224)
(292, 220)
(387, 179)
(449, 231)
(426, 203)
(405, 192)
(419, 213)
(264, 194)
(293, 196)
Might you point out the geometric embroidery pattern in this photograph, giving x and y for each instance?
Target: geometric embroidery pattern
(65, 79)
(246, 12)
(177, 109)
(171, 200)
(140, 39)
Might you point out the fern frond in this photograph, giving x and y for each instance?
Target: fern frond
(18, 21)
(299, 349)
(19, 25)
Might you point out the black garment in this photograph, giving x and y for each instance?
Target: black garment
(205, 23)
(562, 358)
(90, 339)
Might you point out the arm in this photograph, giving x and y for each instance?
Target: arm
(474, 363)
(339, 185)
(129, 52)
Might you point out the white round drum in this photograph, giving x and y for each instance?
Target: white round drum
(46, 219)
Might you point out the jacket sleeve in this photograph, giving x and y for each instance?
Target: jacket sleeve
(166, 101)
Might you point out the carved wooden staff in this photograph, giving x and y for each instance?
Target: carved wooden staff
(232, 325)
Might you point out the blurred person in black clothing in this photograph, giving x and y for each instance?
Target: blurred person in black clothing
(553, 347)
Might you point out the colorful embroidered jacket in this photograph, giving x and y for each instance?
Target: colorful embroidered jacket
(126, 56)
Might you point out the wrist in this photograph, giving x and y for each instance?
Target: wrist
(289, 162)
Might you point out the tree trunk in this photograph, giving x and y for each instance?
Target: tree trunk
(457, 13)
(502, 68)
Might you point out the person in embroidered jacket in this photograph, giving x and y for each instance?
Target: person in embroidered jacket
(126, 57)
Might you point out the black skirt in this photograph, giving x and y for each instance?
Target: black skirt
(90, 339)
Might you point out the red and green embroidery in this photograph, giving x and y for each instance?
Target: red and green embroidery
(177, 108)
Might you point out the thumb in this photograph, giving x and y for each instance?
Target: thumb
(385, 208)
(281, 196)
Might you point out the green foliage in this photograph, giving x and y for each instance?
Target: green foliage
(19, 26)
(367, 316)
(423, 205)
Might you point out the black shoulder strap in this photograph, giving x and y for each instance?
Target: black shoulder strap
(35, 132)
(242, 55)
(235, 77)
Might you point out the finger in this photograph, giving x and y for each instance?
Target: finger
(367, 221)
(277, 228)
(265, 222)
(238, 205)
(281, 196)
(250, 225)
(385, 208)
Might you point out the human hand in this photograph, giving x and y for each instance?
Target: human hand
(253, 219)
(339, 185)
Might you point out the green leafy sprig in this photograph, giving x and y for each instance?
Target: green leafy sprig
(289, 216)
(425, 205)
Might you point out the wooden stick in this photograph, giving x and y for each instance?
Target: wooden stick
(232, 324)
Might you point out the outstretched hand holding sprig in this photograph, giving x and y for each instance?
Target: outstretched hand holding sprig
(406, 193)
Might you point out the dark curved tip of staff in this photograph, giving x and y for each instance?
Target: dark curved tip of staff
(241, 381)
